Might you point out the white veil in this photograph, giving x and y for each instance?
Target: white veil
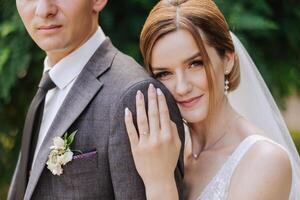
(253, 100)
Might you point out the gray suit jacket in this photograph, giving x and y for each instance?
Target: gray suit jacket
(95, 108)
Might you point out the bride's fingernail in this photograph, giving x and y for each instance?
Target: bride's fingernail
(151, 87)
(139, 95)
(127, 111)
(158, 91)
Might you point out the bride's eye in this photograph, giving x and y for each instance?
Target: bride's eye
(162, 75)
(196, 63)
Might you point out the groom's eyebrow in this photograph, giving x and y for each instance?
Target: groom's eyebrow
(192, 57)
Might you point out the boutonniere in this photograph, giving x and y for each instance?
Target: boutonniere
(60, 153)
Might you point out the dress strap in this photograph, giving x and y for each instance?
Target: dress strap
(241, 150)
(218, 187)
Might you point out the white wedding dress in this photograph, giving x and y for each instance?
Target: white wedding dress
(218, 187)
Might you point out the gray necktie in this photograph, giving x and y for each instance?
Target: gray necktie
(30, 132)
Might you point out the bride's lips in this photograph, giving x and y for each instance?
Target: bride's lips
(49, 28)
(188, 103)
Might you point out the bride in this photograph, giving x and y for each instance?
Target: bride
(237, 145)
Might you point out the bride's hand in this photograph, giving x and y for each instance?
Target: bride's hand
(156, 149)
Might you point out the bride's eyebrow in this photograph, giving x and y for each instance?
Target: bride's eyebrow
(192, 57)
(158, 69)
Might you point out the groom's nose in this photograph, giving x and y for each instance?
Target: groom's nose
(46, 8)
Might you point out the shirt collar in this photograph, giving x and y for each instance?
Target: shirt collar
(68, 68)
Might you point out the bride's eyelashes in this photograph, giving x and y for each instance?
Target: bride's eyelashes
(162, 75)
(196, 63)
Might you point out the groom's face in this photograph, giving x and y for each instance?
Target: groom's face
(60, 26)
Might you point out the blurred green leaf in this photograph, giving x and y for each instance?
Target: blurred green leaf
(7, 28)
(4, 57)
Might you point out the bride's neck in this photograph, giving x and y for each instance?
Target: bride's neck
(205, 133)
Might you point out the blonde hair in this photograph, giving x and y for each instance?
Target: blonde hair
(191, 15)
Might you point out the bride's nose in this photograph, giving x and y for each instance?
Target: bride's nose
(183, 84)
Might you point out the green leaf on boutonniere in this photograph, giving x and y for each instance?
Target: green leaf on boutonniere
(70, 138)
(66, 140)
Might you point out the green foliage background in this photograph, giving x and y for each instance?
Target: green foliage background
(269, 29)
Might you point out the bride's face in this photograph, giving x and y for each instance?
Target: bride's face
(177, 62)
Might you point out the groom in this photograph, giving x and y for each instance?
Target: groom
(86, 85)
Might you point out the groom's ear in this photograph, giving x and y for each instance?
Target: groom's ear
(228, 60)
(99, 5)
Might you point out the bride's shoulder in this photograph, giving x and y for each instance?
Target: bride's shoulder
(264, 155)
(264, 150)
(268, 153)
(265, 163)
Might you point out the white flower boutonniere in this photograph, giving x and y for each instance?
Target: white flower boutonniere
(60, 153)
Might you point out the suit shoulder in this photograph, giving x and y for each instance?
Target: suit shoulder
(125, 66)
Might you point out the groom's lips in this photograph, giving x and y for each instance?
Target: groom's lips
(49, 28)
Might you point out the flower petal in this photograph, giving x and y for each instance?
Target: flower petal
(58, 143)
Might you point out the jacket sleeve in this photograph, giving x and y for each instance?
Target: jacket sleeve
(126, 181)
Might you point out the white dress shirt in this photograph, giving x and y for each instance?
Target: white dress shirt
(64, 74)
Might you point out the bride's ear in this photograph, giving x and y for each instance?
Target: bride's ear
(229, 59)
(99, 5)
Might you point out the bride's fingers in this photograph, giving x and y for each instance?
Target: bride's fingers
(163, 112)
(153, 115)
(131, 131)
(142, 120)
(174, 130)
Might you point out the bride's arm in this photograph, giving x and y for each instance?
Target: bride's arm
(156, 149)
(162, 189)
(264, 173)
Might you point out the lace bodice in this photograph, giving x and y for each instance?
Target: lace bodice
(218, 187)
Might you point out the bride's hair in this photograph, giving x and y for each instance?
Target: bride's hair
(193, 16)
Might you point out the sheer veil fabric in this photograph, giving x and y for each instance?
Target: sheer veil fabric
(253, 100)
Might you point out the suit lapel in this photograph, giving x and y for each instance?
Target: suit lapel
(82, 92)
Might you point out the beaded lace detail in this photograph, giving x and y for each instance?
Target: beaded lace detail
(218, 187)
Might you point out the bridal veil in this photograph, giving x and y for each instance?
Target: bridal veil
(253, 100)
